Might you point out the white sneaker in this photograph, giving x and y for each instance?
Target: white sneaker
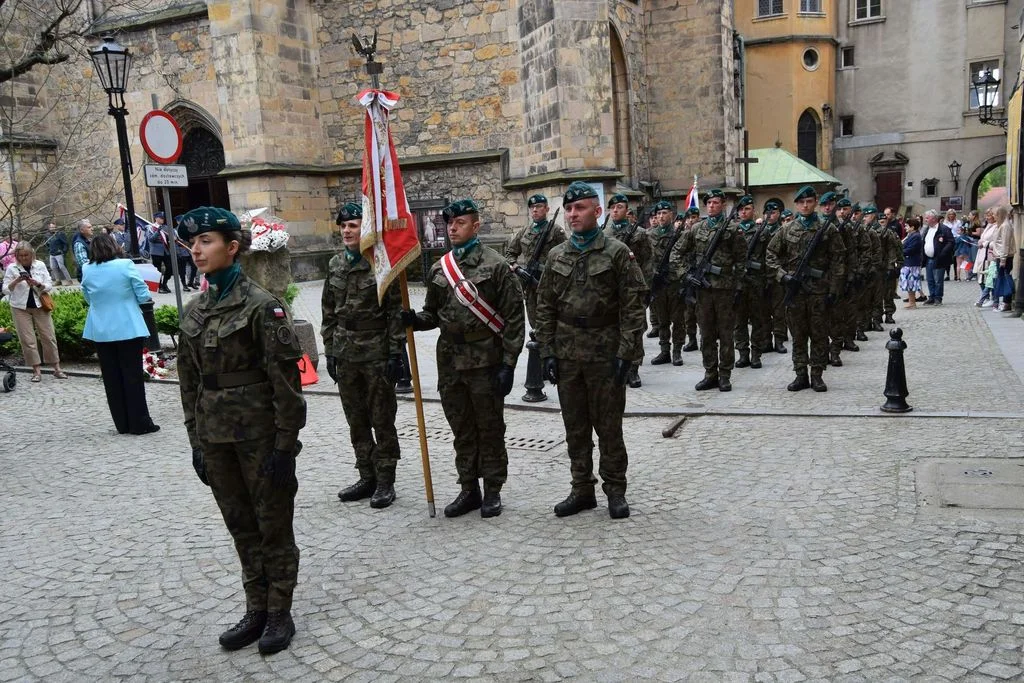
(987, 304)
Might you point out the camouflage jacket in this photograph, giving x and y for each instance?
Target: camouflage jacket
(356, 328)
(639, 242)
(590, 303)
(660, 239)
(755, 269)
(851, 259)
(245, 338)
(730, 255)
(787, 249)
(876, 262)
(466, 342)
(864, 256)
(891, 248)
(520, 248)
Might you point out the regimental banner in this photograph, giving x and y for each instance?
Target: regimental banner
(388, 237)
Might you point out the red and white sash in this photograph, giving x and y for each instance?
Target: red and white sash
(467, 294)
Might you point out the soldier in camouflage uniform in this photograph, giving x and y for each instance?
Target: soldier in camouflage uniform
(591, 318)
(638, 240)
(808, 316)
(691, 216)
(865, 265)
(667, 304)
(752, 330)
(475, 364)
(876, 272)
(520, 249)
(716, 305)
(777, 217)
(363, 346)
(843, 316)
(240, 393)
(893, 263)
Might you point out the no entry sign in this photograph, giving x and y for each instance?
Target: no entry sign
(161, 137)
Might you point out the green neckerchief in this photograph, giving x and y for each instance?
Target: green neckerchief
(619, 226)
(747, 225)
(353, 257)
(581, 240)
(808, 222)
(662, 230)
(223, 280)
(713, 221)
(538, 225)
(460, 250)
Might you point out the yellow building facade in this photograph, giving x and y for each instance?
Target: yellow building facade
(790, 54)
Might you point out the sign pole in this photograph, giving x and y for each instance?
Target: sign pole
(172, 245)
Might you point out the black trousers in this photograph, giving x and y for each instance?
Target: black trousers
(162, 262)
(121, 367)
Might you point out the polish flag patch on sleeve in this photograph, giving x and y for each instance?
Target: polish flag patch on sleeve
(278, 312)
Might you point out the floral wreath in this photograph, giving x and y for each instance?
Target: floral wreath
(154, 367)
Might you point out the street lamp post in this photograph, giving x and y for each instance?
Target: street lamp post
(954, 174)
(986, 90)
(113, 64)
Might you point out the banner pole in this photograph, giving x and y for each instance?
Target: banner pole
(421, 423)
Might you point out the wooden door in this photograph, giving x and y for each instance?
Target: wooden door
(889, 190)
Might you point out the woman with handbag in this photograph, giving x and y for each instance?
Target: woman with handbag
(1001, 251)
(984, 257)
(28, 284)
(114, 289)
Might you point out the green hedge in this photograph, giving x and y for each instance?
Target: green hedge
(69, 311)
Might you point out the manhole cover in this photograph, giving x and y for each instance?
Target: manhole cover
(971, 483)
(526, 443)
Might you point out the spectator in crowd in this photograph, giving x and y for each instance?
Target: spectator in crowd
(160, 251)
(890, 220)
(57, 246)
(938, 253)
(966, 245)
(80, 245)
(114, 289)
(25, 280)
(955, 227)
(7, 248)
(1001, 250)
(913, 255)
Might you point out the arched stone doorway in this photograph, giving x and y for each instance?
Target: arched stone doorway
(808, 136)
(620, 108)
(203, 156)
(976, 178)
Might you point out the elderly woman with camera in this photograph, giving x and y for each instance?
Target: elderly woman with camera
(27, 284)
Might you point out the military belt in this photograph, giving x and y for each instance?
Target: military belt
(364, 325)
(589, 321)
(753, 265)
(815, 273)
(470, 337)
(228, 380)
(719, 270)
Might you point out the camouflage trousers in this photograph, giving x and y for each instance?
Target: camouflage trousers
(716, 316)
(878, 293)
(258, 516)
(530, 297)
(670, 310)
(690, 320)
(592, 402)
(475, 413)
(889, 294)
(777, 293)
(864, 306)
(369, 402)
(839, 316)
(808, 322)
(752, 328)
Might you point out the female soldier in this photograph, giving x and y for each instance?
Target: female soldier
(243, 405)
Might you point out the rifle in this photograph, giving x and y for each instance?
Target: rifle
(530, 274)
(660, 279)
(697, 276)
(803, 270)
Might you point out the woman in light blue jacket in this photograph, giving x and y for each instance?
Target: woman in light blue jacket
(114, 289)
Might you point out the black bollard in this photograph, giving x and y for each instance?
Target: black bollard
(153, 343)
(896, 376)
(534, 376)
(404, 383)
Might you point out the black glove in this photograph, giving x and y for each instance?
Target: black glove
(551, 369)
(620, 370)
(503, 380)
(393, 368)
(279, 466)
(409, 319)
(736, 297)
(332, 368)
(830, 299)
(788, 280)
(199, 465)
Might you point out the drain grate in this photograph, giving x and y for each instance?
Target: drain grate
(433, 433)
(979, 472)
(526, 443)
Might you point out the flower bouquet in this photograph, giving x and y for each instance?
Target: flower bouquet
(154, 367)
(269, 233)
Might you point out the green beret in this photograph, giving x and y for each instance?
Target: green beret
(745, 200)
(869, 208)
(458, 208)
(350, 212)
(787, 214)
(828, 197)
(843, 203)
(692, 211)
(578, 190)
(681, 216)
(805, 192)
(713, 193)
(207, 219)
(662, 206)
(774, 204)
(857, 209)
(618, 199)
(536, 199)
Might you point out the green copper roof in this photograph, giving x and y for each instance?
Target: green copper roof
(778, 167)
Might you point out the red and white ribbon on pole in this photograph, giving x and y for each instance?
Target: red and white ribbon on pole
(467, 294)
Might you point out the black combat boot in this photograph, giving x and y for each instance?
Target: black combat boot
(364, 488)
(860, 336)
(633, 377)
(744, 361)
(677, 355)
(654, 333)
(755, 359)
(889, 320)
(876, 326)
(245, 632)
(278, 633)
(709, 382)
(491, 506)
(576, 502)
(850, 345)
(618, 508)
(662, 357)
(384, 495)
(779, 346)
(690, 345)
(723, 382)
(801, 382)
(834, 360)
(467, 501)
(817, 383)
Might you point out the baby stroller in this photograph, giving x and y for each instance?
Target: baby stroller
(9, 380)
